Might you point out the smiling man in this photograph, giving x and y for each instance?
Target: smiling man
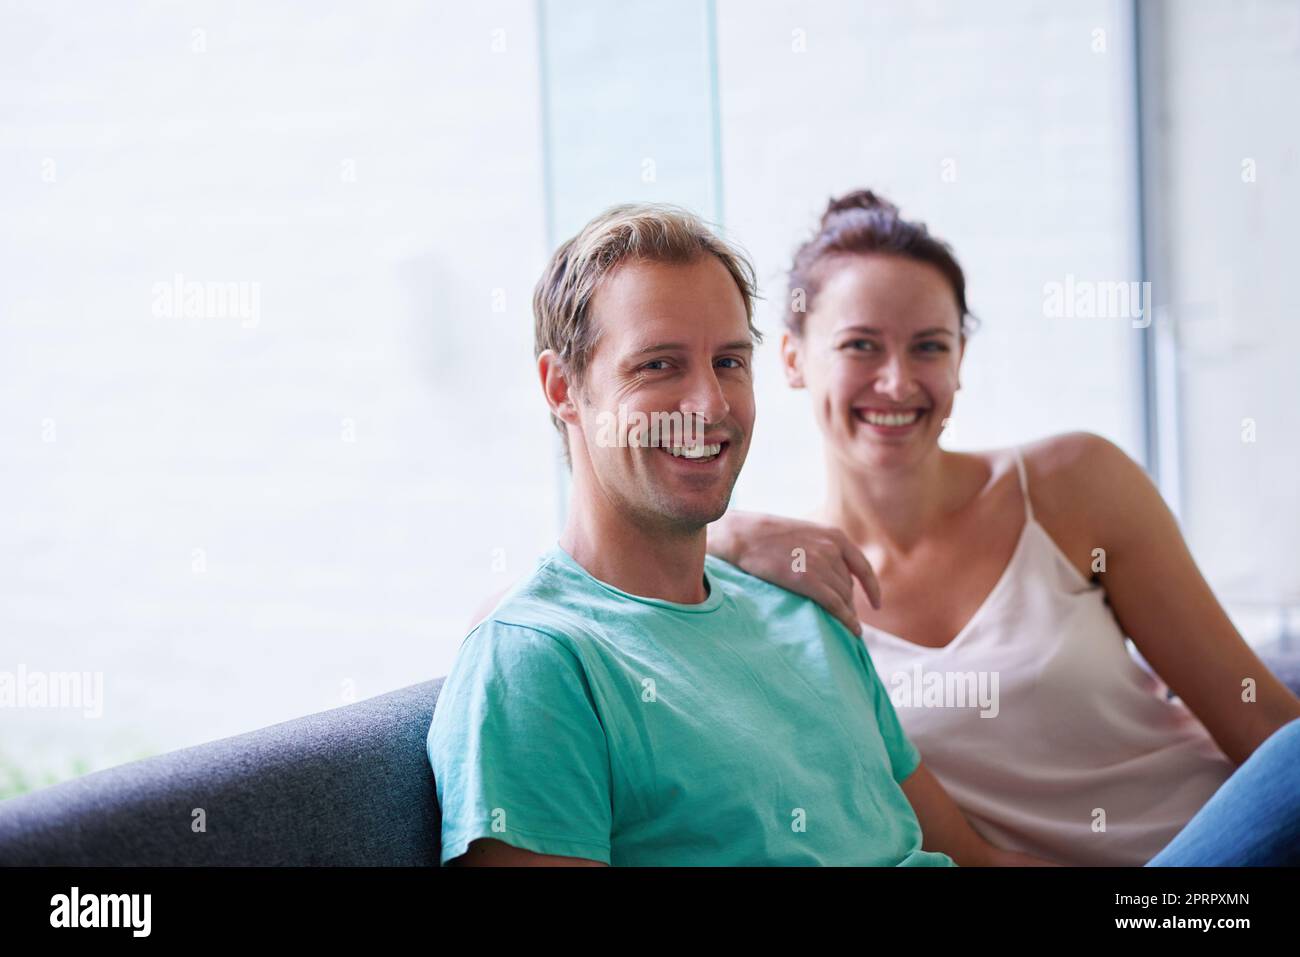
(634, 702)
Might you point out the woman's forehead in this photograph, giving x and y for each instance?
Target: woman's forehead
(890, 291)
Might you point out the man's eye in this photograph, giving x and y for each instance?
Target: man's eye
(654, 365)
(736, 363)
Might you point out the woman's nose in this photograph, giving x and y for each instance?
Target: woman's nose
(895, 379)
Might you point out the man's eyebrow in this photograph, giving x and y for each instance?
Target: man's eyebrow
(739, 345)
(654, 347)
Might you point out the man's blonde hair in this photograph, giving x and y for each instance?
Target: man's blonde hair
(632, 232)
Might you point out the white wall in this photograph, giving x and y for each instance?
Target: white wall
(378, 173)
(1010, 96)
(333, 568)
(1232, 175)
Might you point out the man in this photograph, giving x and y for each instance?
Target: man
(634, 702)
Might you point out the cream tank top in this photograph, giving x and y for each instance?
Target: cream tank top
(1042, 725)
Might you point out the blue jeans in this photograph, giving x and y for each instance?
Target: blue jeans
(1253, 820)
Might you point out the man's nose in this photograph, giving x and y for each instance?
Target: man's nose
(705, 398)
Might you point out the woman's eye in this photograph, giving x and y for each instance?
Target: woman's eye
(933, 345)
(654, 365)
(859, 345)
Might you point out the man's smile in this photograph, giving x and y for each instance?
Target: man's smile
(697, 458)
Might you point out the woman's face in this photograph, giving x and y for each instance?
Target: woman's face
(880, 353)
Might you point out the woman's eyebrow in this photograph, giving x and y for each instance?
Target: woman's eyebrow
(873, 331)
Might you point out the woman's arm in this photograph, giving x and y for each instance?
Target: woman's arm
(816, 561)
(1157, 593)
(945, 829)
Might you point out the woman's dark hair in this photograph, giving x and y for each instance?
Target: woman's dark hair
(862, 222)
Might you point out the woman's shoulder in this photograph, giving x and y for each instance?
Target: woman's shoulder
(1080, 481)
(1074, 462)
(1067, 464)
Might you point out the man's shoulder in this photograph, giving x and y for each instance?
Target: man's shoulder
(524, 599)
(547, 602)
(734, 578)
(556, 602)
(759, 598)
(741, 584)
(530, 642)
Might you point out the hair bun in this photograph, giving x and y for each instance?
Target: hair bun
(858, 199)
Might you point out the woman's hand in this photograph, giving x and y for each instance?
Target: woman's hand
(816, 561)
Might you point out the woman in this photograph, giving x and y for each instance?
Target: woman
(1009, 580)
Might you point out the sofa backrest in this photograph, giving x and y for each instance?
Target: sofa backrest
(349, 786)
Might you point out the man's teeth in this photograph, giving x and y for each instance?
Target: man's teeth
(891, 418)
(695, 451)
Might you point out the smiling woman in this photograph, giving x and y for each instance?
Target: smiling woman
(985, 565)
(882, 332)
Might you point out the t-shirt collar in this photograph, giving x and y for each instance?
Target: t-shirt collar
(562, 557)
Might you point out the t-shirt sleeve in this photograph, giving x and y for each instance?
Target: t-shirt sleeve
(518, 750)
(903, 755)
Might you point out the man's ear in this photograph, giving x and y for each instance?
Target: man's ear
(555, 386)
(791, 360)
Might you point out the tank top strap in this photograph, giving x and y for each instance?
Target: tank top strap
(1024, 484)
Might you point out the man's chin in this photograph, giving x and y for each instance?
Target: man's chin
(691, 516)
(680, 504)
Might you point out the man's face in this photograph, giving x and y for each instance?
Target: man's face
(673, 348)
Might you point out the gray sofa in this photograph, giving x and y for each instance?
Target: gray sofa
(350, 786)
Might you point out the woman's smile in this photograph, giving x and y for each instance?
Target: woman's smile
(890, 421)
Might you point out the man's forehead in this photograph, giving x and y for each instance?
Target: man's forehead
(669, 289)
(645, 333)
(644, 306)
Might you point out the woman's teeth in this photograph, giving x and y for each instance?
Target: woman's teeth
(891, 418)
(695, 451)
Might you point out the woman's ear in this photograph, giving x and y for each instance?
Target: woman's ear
(961, 354)
(791, 360)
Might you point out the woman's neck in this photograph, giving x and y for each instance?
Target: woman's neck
(890, 509)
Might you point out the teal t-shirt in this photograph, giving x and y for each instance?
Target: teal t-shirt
(750, 729)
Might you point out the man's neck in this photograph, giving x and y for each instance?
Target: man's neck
(634, 559)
